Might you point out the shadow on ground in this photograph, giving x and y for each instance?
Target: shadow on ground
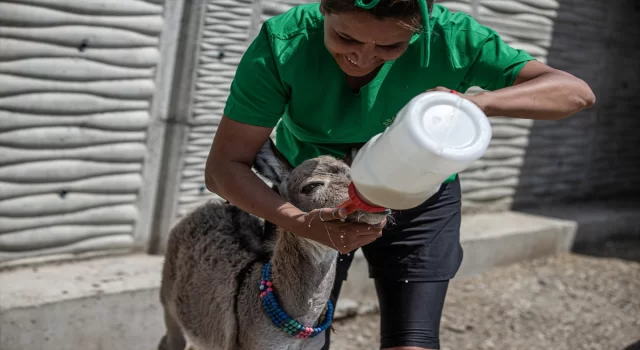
(634, 346)
(624, 248)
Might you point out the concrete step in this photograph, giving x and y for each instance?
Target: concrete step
(112, 302)
(488, 240)
(599, 221)
(105, 303)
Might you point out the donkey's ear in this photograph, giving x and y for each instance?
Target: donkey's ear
(271, 164)
(350, 155)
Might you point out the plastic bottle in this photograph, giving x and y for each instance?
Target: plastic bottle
(435, 135)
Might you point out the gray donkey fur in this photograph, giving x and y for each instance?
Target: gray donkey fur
(215, 255)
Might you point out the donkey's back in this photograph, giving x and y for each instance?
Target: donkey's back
(206, 259)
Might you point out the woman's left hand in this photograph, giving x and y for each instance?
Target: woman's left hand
(473, 98)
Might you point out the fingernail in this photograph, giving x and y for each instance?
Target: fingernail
(342, 212)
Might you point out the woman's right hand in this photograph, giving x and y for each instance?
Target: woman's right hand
(326, 226)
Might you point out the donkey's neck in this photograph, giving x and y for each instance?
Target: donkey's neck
(303, 273)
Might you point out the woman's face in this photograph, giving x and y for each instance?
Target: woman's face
(360, 43)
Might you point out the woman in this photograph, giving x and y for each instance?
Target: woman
(330, 76)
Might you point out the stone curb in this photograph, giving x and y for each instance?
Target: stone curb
(112, 302)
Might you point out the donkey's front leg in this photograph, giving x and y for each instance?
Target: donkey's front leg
(173, 339)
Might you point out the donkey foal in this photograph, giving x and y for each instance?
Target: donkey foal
(215, 257)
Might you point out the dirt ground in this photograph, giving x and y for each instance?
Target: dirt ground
(565, 302)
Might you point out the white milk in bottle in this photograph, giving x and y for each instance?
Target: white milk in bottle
(436, 135)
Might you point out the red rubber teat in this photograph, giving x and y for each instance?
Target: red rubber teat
(356, 203)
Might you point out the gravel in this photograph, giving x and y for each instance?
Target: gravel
(561, 302)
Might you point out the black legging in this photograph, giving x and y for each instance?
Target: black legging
(410, 313)
(411, 265)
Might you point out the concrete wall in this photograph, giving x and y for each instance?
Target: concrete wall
(594, 155)
(105, 130)
(83, 87)
(228, 28)
(218, 33)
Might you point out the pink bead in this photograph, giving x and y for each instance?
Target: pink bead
(261, 282)
(269, 290)
(269, 284)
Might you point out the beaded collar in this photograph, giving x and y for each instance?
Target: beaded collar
(280, 318)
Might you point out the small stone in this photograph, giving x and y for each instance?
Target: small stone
(368, 307)
(455, 328)
(345, 308)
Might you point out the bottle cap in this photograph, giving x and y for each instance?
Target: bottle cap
(356, 203)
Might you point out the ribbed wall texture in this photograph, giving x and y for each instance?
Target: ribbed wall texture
(228, 28)
(76, 79)
(488, 185)
(595, 154)
(224, 37)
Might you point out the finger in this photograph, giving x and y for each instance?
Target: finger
(377, 227)
(340, 213)
(370, 232)
(344, 241)
(439, 88)
(354, 242)
(345, 250)
(382, 224)
(328, 214)
(360, 241)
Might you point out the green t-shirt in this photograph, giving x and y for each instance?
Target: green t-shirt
(287, 78)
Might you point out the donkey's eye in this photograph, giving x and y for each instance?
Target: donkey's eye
(311, 187)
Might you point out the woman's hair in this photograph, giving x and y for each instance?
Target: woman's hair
(406, 11)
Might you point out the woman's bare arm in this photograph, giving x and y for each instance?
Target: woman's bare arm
(228, 173)
(539, 92)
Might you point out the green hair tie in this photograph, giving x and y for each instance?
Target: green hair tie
(425, 53)
(368, 6)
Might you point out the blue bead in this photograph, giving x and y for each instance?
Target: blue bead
(280, 318)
